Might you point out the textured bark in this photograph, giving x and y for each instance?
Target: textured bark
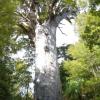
(47, 78)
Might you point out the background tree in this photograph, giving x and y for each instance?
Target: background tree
(83, 70)
(7, 22)
(9, 44)
(6, 69)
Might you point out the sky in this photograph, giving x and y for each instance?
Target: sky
(69, 35)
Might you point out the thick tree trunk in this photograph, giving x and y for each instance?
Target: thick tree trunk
(47, 78)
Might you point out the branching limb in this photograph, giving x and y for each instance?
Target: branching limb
(23, 16)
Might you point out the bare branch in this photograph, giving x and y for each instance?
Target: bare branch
(23, 16)
(61, 31)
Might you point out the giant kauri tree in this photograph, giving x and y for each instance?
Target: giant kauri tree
(39, 20)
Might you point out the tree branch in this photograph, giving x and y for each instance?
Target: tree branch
(61, 31)
(65, 14)
(23, 16)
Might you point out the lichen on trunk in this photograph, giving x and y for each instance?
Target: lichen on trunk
(47, 78)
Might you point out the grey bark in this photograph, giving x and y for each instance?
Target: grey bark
(47, 78)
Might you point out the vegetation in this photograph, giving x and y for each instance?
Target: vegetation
(79, 73)
(82, 78)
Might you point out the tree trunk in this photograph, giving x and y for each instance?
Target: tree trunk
(47, 78)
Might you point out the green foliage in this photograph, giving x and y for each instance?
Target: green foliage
(89, 24)
(94, 2)
(11, 79)
(83, 79)
(6, 70)
(7, 22)
(89, 28)
(21, 78)
(68, 1)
